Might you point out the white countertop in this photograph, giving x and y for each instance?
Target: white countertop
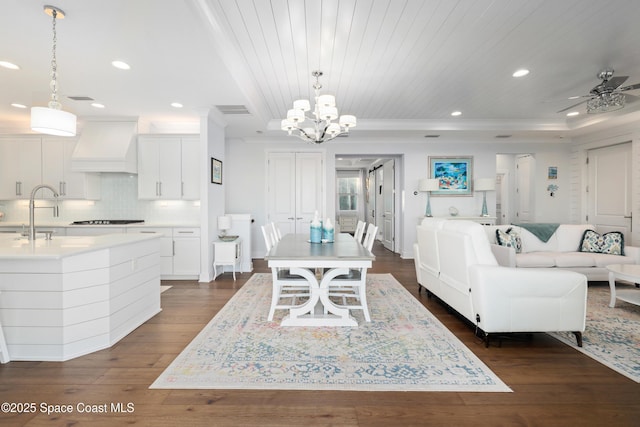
(12, 247)
(67, 224)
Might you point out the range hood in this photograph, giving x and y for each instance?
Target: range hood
(106, 147)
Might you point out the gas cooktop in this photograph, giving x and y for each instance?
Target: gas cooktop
(108, 222)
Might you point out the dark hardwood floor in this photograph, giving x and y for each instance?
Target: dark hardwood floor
(553, 385)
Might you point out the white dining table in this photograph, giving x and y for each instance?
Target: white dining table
(301, 257)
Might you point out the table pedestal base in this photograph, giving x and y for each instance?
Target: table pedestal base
(312, 312)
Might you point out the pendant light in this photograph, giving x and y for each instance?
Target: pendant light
(52, 120)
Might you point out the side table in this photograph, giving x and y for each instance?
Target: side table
(629, 272)
(226, 253)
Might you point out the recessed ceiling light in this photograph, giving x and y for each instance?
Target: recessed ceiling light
(15, 104)
(176, 105)
(9, 65)
(97, 105)
(121, 65)
(521, 73)
(456, 113)
(573, 113)
(574, 97)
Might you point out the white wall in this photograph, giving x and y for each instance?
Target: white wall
(246, 185)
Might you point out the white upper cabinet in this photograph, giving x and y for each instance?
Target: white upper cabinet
(168, 168)
(56, 171)
(29, 161)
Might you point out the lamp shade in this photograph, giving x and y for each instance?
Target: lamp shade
(431, 184)
(485, 184)
(53, 122)
(224, 222)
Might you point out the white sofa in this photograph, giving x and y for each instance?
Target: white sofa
(454, 261)
(560, 252)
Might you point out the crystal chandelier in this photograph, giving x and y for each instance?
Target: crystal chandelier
(605, 102)
(319, 128)
(52, 120)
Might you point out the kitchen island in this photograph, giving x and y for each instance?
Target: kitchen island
(73, 295)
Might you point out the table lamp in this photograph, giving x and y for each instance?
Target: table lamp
(427, 186)
(224, 224)
(484, 185)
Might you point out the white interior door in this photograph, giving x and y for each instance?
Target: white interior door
(388, 205)
(609, 189)
(525, 175)
(295, 190)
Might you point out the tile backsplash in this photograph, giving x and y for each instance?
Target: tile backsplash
(119, 201)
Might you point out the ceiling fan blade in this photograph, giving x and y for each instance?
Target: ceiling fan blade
(614, 82)
(630, 87)
(570, 107)
(630, 99)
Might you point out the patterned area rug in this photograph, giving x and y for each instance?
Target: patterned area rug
(612, 336)
(404, 348)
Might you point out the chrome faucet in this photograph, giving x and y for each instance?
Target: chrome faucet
(32, 208)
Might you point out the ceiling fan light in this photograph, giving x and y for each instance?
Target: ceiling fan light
(302, 104)
(605, 103)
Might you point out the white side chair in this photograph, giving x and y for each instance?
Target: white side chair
(370, 237)
(351, 289)
(275, 232)
(268, 239)
(4, 351)
(287, 289)
(359, 230)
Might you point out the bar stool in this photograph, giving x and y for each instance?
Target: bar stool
(4, 351)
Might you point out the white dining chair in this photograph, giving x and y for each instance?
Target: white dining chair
(275, 233)
(359, 230)
(287, 290)
(370, 237)
(351, 289)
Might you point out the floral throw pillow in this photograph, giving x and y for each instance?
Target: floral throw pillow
(608, 243)
(510, 239)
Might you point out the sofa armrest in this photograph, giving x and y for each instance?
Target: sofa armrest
(416, 261)
(505, 255)
(633, 252)
(528, 300)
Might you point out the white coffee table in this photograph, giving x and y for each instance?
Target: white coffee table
(629, 272)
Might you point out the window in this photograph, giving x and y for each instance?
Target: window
(348, 190)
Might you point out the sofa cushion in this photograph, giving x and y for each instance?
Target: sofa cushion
(530, 243)
(479, 242)
(570, 236)
(602, 260)
(575, 259)
(611, 243)
(509, 238)
(536, 259)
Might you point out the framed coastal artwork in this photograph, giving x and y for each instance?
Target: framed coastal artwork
(216, 171)
(455, 175)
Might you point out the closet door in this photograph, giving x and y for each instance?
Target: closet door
(295, 190)
(609, 190)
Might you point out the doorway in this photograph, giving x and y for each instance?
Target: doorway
(379, 192)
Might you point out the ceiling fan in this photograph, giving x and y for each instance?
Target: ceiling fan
(607, 96)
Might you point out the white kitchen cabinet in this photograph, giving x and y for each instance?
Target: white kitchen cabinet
(29, 161)
(179, 250)
(190, 166)
(56, 171)
(168, 168)
(81, 230)
(166, 247)
(186, 252)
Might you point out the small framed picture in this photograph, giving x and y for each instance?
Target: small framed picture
(455, 175)
(553, 172)
(216, 171)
